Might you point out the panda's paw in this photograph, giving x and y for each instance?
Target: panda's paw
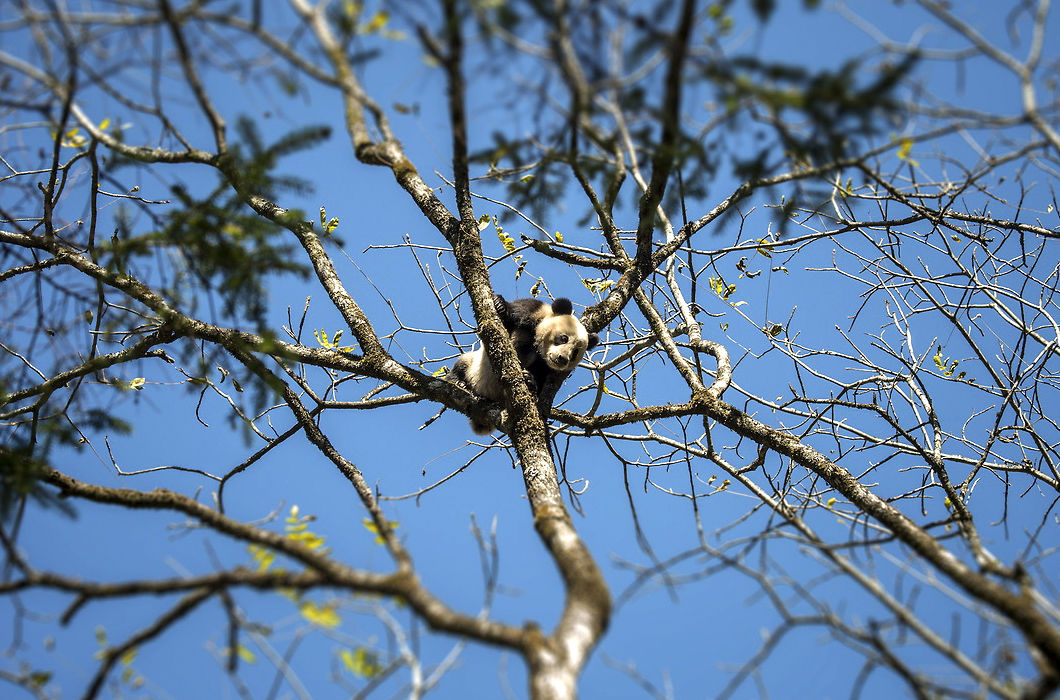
(502, 309)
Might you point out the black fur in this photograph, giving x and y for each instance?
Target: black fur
(522, 319)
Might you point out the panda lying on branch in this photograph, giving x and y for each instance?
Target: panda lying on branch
(548, 339)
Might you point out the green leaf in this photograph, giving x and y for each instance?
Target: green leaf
(322, 616)
(720, 288)
(262, 556)
(597, 286)
(20, 474)
(904, 147)
(505, 238)
(376, 23)
(371, 527)
(361, 662)
(246, 654)
(945, 365)
(331, 343)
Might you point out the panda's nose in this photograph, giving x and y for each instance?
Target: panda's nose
(563, 359)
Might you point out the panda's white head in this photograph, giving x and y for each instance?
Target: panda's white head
(561, 339)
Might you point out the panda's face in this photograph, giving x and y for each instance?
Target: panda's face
(562, 341)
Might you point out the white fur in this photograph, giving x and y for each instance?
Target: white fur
(561, 356)
(480, 375)
(559, 339)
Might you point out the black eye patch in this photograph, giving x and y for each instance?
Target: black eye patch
(561, 340)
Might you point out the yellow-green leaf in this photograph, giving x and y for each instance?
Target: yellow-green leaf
(331, 343)
(597, 286)
(263, 558)
(371, 527)
(128, 657)
(762, 249)
(361, 662)
(378, 21)
(904, 147)
(720, 288)
(73, 138)
(309, 539)
(322, 616)
(246, 654)
(506, 240)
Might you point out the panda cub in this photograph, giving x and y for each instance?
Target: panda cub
(548, 340)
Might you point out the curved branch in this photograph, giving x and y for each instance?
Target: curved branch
(404, 585)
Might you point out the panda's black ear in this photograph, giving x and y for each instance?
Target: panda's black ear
(594, 340)
(562, 307)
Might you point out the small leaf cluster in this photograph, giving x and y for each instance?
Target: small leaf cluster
(945, 365)
(296, 528)
(359, 661)
(21, 470)
(219, 244)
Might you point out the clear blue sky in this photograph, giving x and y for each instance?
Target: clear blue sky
(691, 637)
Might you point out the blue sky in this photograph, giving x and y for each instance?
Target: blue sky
(691, 638)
